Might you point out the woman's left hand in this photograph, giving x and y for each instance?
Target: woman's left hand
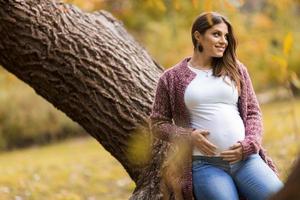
(234, 154)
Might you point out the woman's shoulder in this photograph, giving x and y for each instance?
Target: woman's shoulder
(170, 73)
(241, 65)
(242, 68)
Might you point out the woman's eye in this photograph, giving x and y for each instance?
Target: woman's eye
(218, 34)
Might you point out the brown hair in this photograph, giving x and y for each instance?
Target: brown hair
(227, 64)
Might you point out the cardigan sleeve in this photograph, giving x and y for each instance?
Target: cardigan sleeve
(253, 126)
(161, 124)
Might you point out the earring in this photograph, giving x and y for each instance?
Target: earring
(199, 47)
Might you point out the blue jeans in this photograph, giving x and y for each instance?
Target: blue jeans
(216, 179)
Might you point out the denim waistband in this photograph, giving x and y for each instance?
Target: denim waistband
(212, 159)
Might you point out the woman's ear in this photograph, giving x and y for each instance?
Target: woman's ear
(198, 36)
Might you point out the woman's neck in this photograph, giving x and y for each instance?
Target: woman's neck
(200, 61)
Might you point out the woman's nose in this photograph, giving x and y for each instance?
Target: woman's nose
(224, 40)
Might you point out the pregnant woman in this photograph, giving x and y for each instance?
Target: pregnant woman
(209, 100)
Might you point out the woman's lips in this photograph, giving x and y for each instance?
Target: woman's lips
(220, 48)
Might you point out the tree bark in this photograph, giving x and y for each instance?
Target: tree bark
(90, 68)
(290, 191)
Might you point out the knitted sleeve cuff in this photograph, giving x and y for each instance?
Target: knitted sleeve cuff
(247, 148)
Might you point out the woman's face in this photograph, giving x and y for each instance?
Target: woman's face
(214, 41)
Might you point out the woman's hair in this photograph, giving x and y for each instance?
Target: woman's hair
(227, 64)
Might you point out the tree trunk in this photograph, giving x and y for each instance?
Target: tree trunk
(292, 185)
(90, 68)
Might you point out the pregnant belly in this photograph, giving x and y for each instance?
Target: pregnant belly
(222, 132)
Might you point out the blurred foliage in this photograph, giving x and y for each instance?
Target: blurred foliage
(281, 138)
(267, 31)
(27, 119)
(139, 146)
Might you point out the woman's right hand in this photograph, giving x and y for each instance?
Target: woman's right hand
(199, 138)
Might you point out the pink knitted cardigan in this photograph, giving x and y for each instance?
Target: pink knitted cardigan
(169, 105)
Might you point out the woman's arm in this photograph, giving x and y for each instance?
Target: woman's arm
(161, 123)
(253, 126)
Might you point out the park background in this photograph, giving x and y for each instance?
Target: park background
(45, 155)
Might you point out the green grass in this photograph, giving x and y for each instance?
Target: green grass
(82, 169)
(282, 133)
(71, 170)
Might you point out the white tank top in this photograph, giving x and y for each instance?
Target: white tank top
(212, 105)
